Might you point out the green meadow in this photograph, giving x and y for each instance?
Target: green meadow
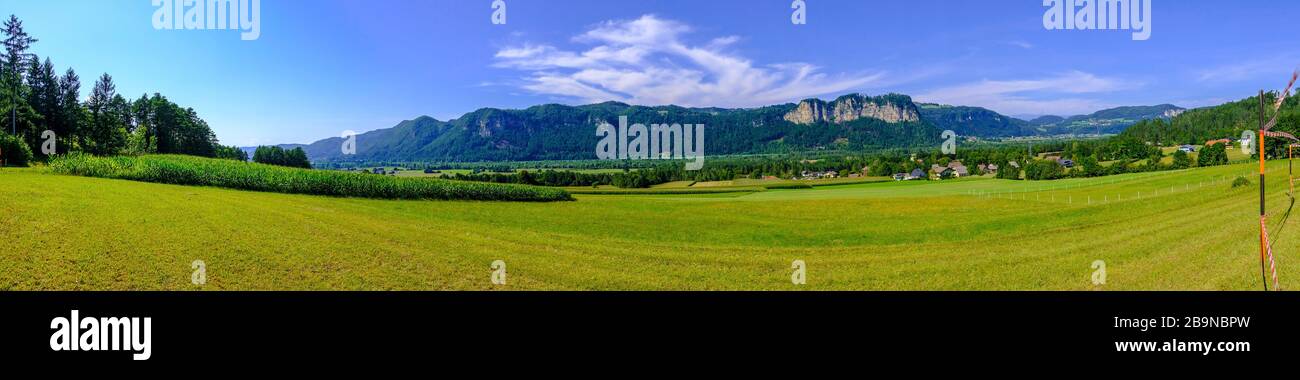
(1176, 230)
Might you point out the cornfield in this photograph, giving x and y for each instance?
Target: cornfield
(198, 171)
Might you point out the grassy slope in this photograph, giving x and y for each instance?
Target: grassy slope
(63, 232)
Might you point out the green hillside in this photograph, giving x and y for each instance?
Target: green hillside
(560, 132)
(1219, 122)
(975, 121)
(1107, 121)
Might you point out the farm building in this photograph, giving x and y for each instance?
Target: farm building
(937, 172)
(808, 175)
(986, 169)
(959, 170)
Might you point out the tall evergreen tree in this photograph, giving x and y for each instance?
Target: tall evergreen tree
(70, 114)
(107, 134)
(16, 43)
(44, 98)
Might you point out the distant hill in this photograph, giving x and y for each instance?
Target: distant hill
(561, 132)
(981, 122)
(849, 122)
(1107, 121)
(1227, 120)
(975, 121)
(1048, 119)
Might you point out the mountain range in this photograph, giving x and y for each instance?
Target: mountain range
(980, 122)
(855, 121)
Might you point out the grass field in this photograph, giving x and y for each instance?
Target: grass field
(1165, 231)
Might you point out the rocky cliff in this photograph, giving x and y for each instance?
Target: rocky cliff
(891, 108)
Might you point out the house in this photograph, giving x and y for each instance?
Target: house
(378, 171)
(938, 172)
(900, 176)
(1187, 148)
(987, 169)
(807, 175)
(1014, 164)
(1067, 163)
(770, 178)
(916, 174)
(958, 169)
(1226, 143)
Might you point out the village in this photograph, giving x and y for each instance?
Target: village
(957, 169)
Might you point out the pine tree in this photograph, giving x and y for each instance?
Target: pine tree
(16, 43)
(71, 114)
(107, 134)
(44, 98)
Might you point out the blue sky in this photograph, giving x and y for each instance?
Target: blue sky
(322, 67)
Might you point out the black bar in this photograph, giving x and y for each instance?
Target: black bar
(351, 328)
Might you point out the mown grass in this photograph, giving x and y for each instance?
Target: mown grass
(1179, 230)
(198, 171)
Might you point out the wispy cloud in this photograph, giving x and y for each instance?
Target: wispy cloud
(1063, 94)
(1247, 70)
(647, 61)
(1021, 44)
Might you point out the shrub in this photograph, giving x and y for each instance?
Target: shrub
(1182, 160)
(1212, 155)
(1006, 171)
(1042, 170)
(198, 171)
(14, 151)
(1240, 181)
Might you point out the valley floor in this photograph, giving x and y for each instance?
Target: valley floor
(1178, 230)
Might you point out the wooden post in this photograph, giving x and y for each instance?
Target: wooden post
(1263, 241)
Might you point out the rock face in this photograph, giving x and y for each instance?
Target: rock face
(890, 108)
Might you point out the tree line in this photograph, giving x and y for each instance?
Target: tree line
(274, 155)
(35, 99)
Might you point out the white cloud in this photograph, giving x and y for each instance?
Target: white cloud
(1247, 70)
(646, 61)
(1063, 94)
(1021, 44)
